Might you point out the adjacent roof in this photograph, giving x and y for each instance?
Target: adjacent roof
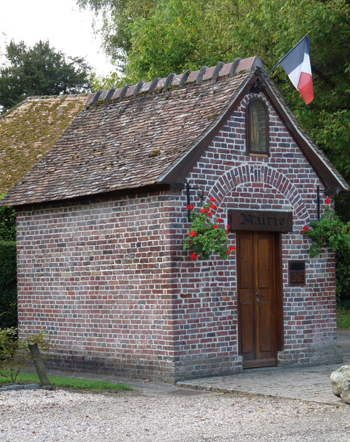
(30, 130)
(152, 134)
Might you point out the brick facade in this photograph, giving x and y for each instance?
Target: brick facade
(111, 283)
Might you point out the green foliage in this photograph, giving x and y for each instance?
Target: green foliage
(8, 266)
(7, 224)
(8, 278)
(343, 319)
(154, 38)
(206, 236)
(40, 70)
(14, 352)
(116, 17)
(333, 233)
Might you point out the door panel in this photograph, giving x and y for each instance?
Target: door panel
(257, 298)
(245, 290)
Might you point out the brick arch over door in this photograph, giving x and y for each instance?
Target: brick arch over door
(247, 174)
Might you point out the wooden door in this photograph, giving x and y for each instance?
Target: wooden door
(256, 262)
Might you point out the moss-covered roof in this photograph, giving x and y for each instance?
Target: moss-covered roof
(29, 131)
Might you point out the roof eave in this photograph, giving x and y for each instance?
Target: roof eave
(325, 174)
(179, 170)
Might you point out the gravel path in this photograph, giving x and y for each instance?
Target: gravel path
(69, 416)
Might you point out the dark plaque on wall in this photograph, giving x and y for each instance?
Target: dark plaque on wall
(260, 220)
(296, 270)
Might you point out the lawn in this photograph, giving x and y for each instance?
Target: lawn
(343, 319)
(67, 382)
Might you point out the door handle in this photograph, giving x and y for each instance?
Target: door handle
(258, 294)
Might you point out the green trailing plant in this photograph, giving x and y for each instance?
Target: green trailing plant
(334, 233)
(14, 352)
(205, 236)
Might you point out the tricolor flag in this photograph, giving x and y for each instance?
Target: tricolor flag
(298, 68)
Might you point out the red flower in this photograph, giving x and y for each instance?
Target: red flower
(220, 220)
(209, 214)
(212, 200)
(327, 201)
(193, 233)
(215, 226)
(227, 252)
(213, 206)
(305, 228)
(227, 227)
(194, 256)
(232, 248)
(189, 207)
(226, 232)
(203, 211)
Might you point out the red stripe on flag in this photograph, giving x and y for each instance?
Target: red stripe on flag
(305, 88)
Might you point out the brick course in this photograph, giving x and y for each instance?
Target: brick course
(111, 283)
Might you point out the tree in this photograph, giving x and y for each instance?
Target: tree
(117, 15)
(156, 37)
(40, 70)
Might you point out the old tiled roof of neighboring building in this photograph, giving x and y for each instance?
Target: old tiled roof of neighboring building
(151, 134)
(30, 130)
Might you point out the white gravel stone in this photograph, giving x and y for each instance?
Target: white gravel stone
(66, 416)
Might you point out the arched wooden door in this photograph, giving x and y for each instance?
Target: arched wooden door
(258, 311)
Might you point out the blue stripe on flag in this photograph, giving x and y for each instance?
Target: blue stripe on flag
(295, 56)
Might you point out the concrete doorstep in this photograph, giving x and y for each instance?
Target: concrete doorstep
(305, 383)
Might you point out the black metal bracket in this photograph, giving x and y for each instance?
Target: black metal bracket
(256, 88)
(200, 195)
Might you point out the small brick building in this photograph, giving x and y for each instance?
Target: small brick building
(102, 217)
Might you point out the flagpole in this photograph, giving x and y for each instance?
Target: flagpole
(281, 60)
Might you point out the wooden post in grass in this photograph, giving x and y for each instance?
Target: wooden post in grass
(39, 366)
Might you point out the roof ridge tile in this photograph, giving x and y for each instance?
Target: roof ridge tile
(172, 80)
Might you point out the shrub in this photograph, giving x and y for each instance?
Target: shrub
(14, 352)
(8, 284)
(8, 273)
(7, 223)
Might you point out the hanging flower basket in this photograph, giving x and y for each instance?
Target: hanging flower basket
(205, 235)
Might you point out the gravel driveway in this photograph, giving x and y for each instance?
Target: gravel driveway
(69, 416)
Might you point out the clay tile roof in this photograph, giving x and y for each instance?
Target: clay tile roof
(149, 134)
(29, 131)
(129, 142)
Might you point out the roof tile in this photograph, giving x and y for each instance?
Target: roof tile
(138, 138)
(125, 144)
(28, 132)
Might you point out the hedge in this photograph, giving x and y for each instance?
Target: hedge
(8, 284)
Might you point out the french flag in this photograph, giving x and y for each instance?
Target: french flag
(298, 68)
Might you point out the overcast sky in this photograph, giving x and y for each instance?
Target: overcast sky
(61, 22)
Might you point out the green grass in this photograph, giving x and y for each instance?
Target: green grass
(343, 319)
(68, 382)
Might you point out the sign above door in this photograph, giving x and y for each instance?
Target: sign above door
(260, 220)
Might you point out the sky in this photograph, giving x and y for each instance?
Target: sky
(61, 22)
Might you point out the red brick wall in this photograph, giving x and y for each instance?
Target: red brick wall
(111, 283)
(98, 278)
(206, 298)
